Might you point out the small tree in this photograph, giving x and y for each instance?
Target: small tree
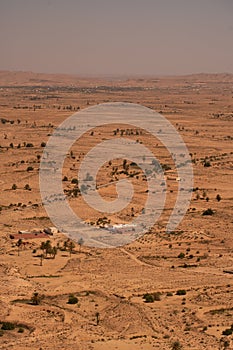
(80, 243)
(71, 247)
(14, 187)
(54, 252)
(35, 299)
(41, 259)
(27, 187)
(46, 247)
(19, 244)
(97, 315)
(218, 197)
(65, 244)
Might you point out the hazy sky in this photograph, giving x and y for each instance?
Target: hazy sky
(117, 36)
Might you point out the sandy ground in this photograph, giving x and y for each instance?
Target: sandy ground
(111, 312)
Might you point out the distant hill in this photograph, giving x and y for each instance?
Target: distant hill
(20, 78)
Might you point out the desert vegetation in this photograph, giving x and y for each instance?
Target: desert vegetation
(162, 291)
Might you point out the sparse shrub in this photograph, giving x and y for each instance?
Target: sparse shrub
(14, 187)
(227, 331)
(207, 163)
(20, 330)
(83, 188)
(181, 292)
(176, 346)
(88, 177)
(218, 197)
(208, 211)
(43, 144)
(97, 315)
(30, 168)
(157, 296)
(35, 299)
(8, 326)
(29, 145)
(149, 298)
(74, 181)
(72, 299)
(65, 178)
(27, 187)
(181, 256)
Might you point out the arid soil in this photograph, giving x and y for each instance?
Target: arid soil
(163, 291)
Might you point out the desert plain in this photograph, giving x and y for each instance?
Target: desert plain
(162, 291)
